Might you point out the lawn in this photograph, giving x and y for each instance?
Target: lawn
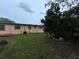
(29, 46)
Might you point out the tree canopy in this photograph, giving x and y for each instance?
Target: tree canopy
(61, 24)
(63, 3)
(6, 20)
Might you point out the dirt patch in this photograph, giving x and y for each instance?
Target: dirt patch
(3, 44)
(66, 50)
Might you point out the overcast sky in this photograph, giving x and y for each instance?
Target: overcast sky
(23, 11)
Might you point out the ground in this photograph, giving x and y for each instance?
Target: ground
(38, 46)
(66, 50)
(29, 46)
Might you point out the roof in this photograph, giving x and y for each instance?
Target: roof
(21, 24)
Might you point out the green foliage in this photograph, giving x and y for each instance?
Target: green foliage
(62, 24)
(52, 19)
(63, 3)
(5, 20)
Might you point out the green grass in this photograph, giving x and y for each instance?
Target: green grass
(30, 46)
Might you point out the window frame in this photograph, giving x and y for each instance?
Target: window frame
(17, 27)
(35, 27)
(2, 27)
(29, 27)
(40, 27)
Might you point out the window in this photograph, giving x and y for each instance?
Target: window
(40, 27)
(35, 27)
(2, 27)
(17, 26)
(29, 27)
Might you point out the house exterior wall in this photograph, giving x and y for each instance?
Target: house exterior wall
(37, 30)
(11, 29)
(32, 30)
(8, 29)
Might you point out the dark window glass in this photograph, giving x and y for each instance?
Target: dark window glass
(35, 27)
(29, 27)
(17, 26)
(2, 27)
(40, 27)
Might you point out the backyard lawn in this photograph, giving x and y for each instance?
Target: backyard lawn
(29, 46)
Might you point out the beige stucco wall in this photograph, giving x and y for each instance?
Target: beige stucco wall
(32, 30)
(37, 30)
(24, 28)
(11, 29)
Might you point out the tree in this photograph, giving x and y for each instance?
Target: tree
(63, 3)
(52, 19)
(72, 20)
(62, 24)
(6, 20)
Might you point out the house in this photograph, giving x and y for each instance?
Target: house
(15, 28)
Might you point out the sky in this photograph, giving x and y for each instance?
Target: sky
(23, 11)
